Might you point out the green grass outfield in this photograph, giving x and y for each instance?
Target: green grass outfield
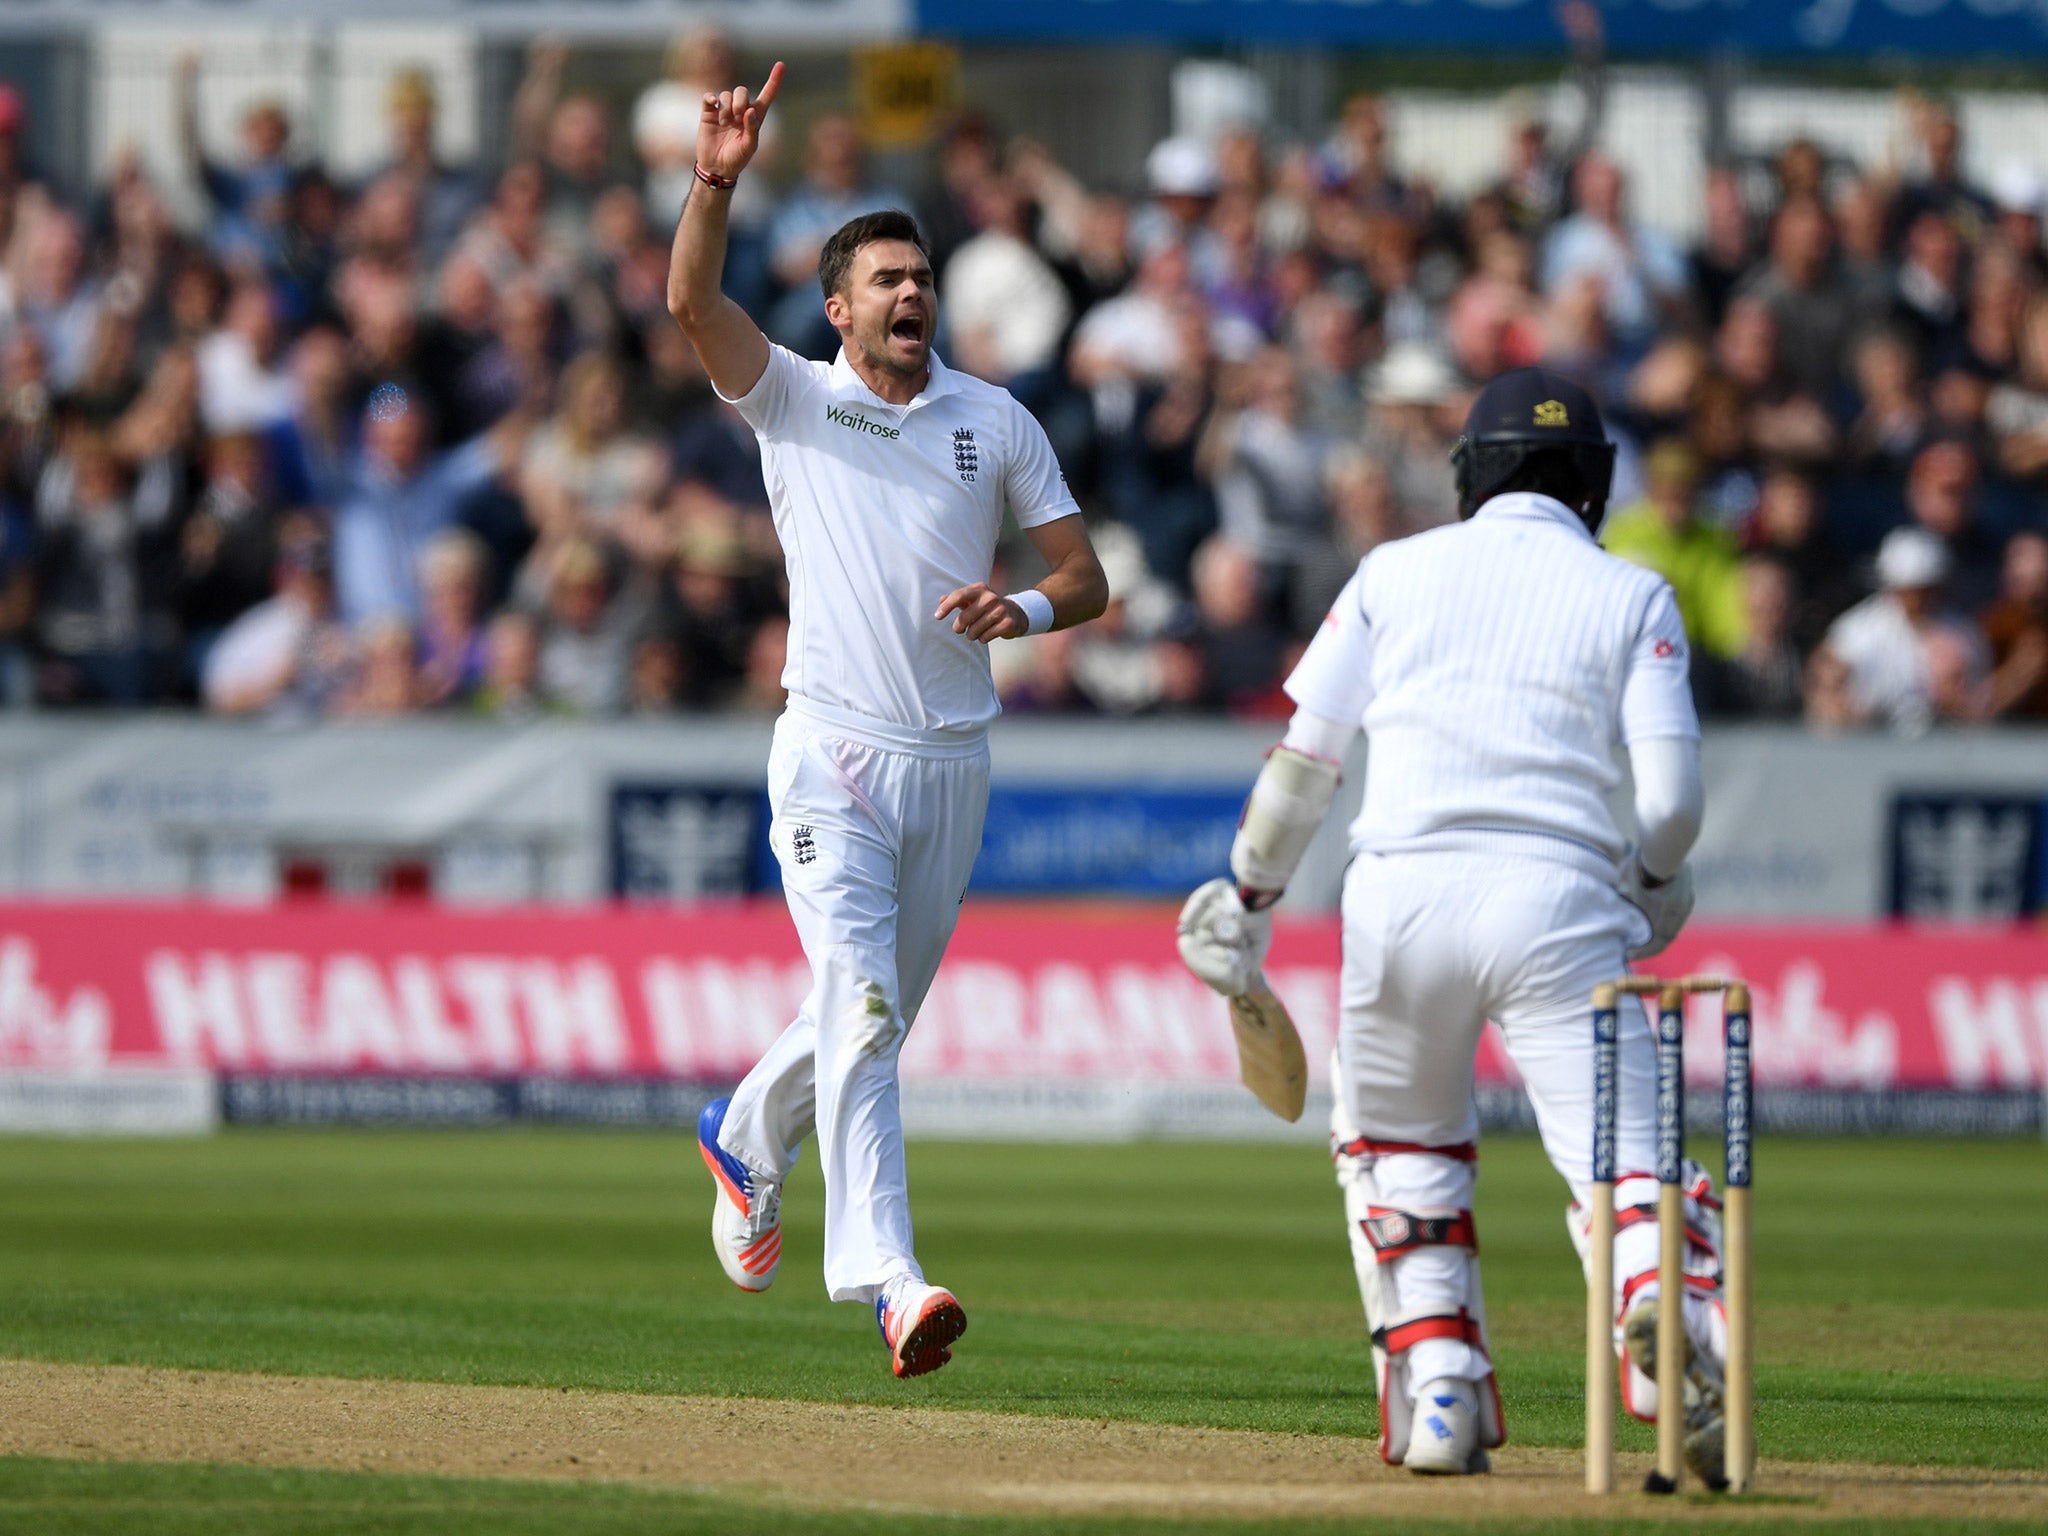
(54, 1498)
(1902, 1292)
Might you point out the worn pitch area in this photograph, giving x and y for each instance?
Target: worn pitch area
(827, 1455)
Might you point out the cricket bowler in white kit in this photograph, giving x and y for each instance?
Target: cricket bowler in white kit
(1495, 665)
(888, 475)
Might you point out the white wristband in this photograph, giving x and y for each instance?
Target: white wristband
(1037, 609)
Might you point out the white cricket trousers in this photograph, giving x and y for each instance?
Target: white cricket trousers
(1437, 943)
(876, 841)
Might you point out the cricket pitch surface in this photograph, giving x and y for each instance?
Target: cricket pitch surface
(816, 1455)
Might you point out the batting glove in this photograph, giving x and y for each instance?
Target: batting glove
(1222, 942)
(1667, 904)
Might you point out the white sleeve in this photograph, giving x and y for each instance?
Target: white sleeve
(1313, 735)
(1334, 676)
(1656, 690)
(1033, 483)
(767, 405)
(1670, 801)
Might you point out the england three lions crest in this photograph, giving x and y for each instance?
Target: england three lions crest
(966, 457)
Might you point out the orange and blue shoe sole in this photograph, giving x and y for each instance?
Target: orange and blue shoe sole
(927, 1340)
(729, 1171)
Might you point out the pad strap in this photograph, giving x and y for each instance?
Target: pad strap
(1402, 1337)
(1705, 1285)
(1368, 1146)
(1393, 1233)
(1698, 1184)
(1635, 1215)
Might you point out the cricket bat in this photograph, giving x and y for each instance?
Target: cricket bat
(1269, 1055)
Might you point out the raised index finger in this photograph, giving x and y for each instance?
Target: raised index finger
(766, 99)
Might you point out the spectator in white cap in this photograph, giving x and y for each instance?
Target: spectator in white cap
(1181, 181)
(1180, 175)
(1897, 658)
(1413, 414)
(2017, 196)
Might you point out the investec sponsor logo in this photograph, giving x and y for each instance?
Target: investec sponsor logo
(853, 421)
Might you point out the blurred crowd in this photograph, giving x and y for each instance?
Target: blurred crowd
(430, 441)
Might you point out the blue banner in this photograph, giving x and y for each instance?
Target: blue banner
(1797, 27)
(684, 842)
(1968, 856)
(1135, 842)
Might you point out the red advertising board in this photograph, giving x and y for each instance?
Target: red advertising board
(1027, 993)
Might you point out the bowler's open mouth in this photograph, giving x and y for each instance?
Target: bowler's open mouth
(908, 328)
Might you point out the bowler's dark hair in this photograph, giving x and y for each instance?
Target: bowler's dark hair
(836, 260)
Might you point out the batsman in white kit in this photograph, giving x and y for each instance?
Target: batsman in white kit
(1495, 665)
(888, 475)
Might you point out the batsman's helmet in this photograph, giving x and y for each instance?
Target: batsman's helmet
(1535, 430)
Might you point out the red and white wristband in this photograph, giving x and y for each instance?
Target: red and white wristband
(1037, 610)
(713, 179)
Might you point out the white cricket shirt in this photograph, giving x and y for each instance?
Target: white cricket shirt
(882, 510)
(1887, 660)
(1496, 664)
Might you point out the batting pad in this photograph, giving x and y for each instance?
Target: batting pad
(1386, 1233)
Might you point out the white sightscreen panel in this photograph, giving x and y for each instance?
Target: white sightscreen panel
(134, 108)
(1654, 127)
(333, 89)
(1869, 127)
(365, 59)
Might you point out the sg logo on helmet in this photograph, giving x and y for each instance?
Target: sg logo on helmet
(1551, 413)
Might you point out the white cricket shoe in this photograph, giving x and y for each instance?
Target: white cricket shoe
(1443, 1432)
(746, 1213)
(919, 1323)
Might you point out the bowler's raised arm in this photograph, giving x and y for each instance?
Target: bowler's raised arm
(733, 350)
